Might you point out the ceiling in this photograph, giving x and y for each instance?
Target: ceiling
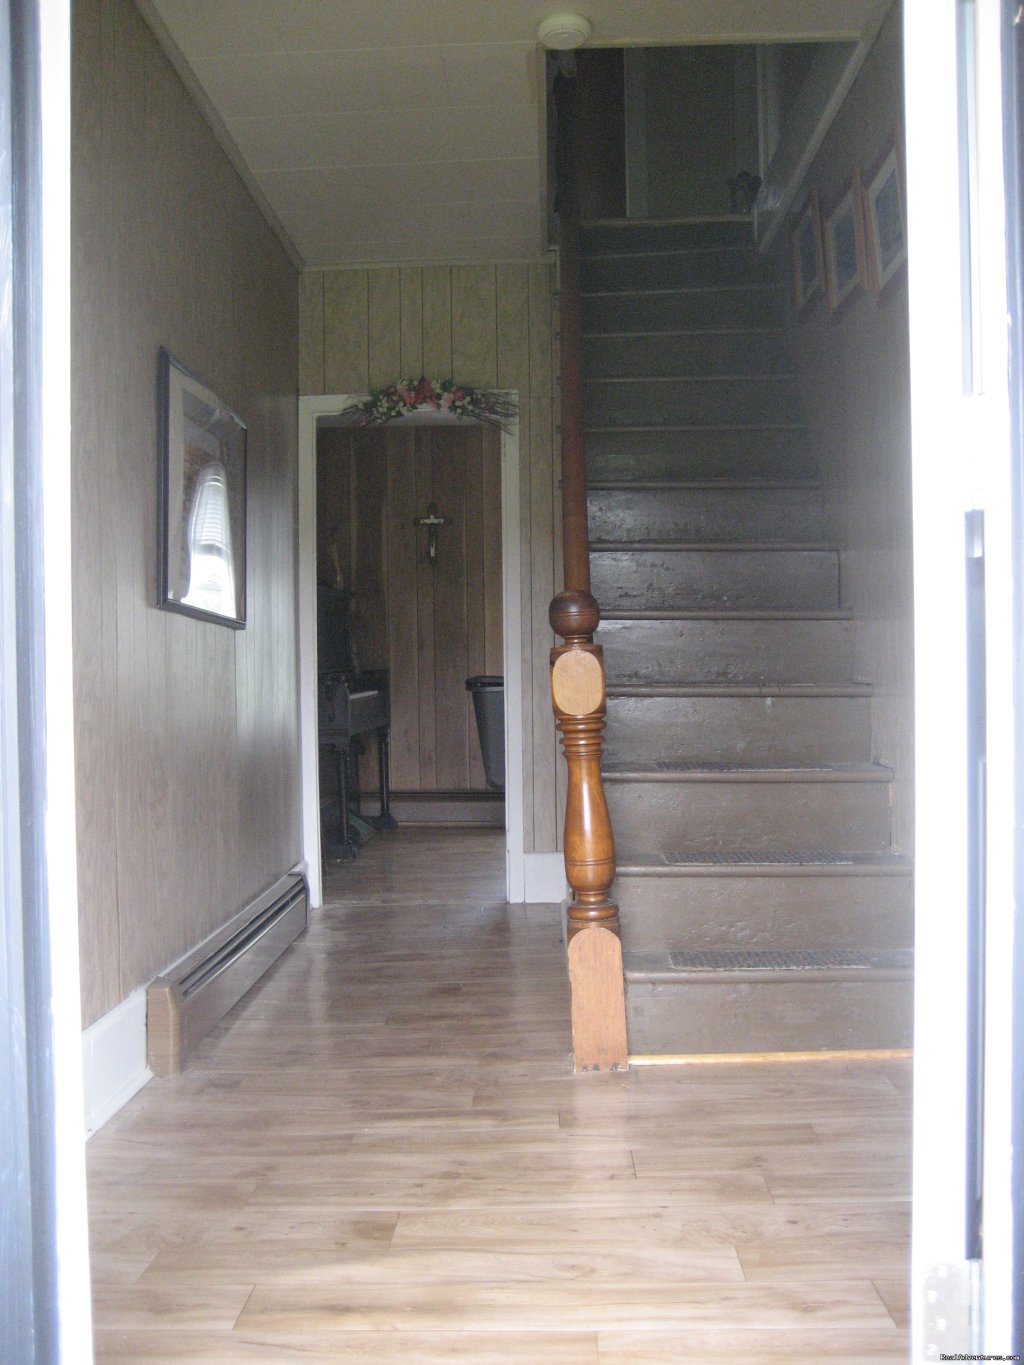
(413, 130)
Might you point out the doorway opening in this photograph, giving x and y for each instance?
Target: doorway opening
(409, 589)
(461, 467)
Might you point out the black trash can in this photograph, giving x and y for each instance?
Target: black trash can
(489, 704)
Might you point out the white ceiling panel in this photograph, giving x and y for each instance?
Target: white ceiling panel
(407, 130)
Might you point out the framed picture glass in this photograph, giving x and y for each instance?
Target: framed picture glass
(845, 266)
(808, 263)
(885, 216)
(202, 499)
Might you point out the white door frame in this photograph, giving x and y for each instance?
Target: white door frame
(961, 459)
(328, 405)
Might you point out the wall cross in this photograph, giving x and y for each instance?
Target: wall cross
(431, 521)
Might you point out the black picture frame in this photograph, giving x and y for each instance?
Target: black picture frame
(885, 216)
(807, 256)
(202, 499)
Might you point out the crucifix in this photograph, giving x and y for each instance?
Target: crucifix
(431, 521)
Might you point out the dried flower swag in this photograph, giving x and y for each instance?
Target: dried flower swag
(441, 395)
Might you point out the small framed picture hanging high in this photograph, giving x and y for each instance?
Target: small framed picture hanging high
(845, 262)
(885, 215)
(202, 499)
(807, 259)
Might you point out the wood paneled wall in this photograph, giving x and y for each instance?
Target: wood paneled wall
(186, 732)
(434, 623)
(488, 325)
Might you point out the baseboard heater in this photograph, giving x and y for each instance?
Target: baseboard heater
(184, 1004)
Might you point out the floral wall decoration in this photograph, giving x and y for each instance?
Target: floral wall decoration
(410, 397)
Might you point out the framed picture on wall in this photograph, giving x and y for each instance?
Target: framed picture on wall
(202, 499)
(808, 262)
(843, 232)
(885, 216)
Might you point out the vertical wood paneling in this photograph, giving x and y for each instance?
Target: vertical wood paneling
(346, 331)
(333, 513)
(411, 302)
(384, 327)
(476, 593)
(424, 474)
(369, 606)
(403, 652)
(311, 331)
(181, 725)
(494, 641)
(437, 321)
(474, 325)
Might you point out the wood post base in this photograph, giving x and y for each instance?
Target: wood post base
(598, 994)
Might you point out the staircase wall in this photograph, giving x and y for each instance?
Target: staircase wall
(853, 374)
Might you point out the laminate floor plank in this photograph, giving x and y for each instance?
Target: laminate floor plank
(382, 1155)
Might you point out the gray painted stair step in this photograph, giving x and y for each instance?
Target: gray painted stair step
(670, 310)
(702, 512)
(706, 810)
(699, 352)
(715, 577)
(628, 271)
(714, 400)
(771, 729)
(753, 649)
(699, 453)
(678, 235)
(735, 900)
(781, 1011)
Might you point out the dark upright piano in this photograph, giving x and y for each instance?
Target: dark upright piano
(350, 704)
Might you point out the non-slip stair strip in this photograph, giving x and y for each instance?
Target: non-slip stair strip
(875, 772)
(809, 861)
(806, 959)
(766, 691)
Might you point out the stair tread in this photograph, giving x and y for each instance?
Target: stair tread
(716, 546)
(723, 614)
(810, 862)
(767, 689)
(721, 485)
(731, 772)
(663, 427)
(689, 378)
(675, 966)
(742, 287)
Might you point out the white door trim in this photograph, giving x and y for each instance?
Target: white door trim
(327, 405)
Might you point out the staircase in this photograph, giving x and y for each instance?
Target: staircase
(763, 906)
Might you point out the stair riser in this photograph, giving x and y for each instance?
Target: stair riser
(690, 402)
(678, 310)
(704, 580)
(698, 514)
(705, 816)
(727, 651)
(666, 236)
(691, 353)
(774, 731)
(770, 1017)
(665, 913)
(627, 456)
(674, 269)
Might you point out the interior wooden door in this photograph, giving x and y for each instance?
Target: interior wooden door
(431, 621)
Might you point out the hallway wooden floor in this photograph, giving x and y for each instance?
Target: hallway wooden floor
(382, 1155)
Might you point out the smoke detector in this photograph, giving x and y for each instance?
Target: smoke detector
(563, 32)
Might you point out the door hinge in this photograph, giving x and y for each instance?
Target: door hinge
(951, 1319)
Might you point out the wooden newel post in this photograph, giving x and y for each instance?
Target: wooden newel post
(594, 946)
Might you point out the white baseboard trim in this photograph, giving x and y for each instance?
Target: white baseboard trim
(544, 875)
(114, 1060)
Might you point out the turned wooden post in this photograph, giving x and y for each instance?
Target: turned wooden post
(594, 947)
